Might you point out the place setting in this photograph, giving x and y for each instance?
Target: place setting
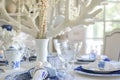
(88, 58)
(100, 68)
(85, 59)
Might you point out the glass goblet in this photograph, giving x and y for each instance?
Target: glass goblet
(66, 54)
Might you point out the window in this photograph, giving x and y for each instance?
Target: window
(106, 21)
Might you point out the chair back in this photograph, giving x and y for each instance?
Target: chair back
(112, 44)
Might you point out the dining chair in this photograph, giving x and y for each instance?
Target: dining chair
(112, 44)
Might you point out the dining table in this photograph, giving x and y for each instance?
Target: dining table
(25, 66)
(79, 76)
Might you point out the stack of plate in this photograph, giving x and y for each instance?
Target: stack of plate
(93, 70)
(84, 60)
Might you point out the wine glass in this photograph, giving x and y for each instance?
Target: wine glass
(27, 54)
(66, 54)
(62, 75)
(57, 46)
(76, 47)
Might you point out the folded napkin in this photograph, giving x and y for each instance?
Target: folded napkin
(54, 74)
(86, 58)
(95, 57)
(115, 64)
(93, 65)
(40, 74)
(43, 73)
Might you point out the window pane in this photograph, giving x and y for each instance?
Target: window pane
(94, 44)
(111, 25)
(113, 11)
(95, 30)
(99, 16)
(113, 0)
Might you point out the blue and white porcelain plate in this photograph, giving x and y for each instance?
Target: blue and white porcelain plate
(92, 73)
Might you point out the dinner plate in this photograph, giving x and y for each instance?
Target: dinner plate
(97, 70)
(85, 60)
(80, 70)
(80, 62)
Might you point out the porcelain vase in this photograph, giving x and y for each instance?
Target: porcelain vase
(42, 49)
(13, 57)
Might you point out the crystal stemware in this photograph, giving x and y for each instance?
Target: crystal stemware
(75, 47)
(66, 54)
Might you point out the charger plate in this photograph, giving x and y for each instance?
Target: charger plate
(83, 71)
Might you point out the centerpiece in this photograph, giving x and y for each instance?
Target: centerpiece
(45, 19)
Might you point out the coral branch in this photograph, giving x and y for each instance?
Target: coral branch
(47, 18)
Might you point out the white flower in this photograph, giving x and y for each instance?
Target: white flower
(12, 38)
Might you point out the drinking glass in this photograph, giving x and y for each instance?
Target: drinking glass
(57, 46)
(66, 54)
(75, 47)
(62, 75)
(27, 54)
(56, 62)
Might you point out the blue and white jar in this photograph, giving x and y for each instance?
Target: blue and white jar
(13, 57)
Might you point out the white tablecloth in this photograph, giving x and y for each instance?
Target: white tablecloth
(27, 65)
(24, 67)
(86, 77)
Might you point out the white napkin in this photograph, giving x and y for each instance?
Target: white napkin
(109, 66)
(88, 57)
(40, 74)
(114, 64)
(93, 65)
(85, 57)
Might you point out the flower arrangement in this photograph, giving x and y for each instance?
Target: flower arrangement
(46, 19)
(11, 38)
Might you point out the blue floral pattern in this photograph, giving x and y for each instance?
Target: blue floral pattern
(27, 75)
(19, 76)
(15, 64)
